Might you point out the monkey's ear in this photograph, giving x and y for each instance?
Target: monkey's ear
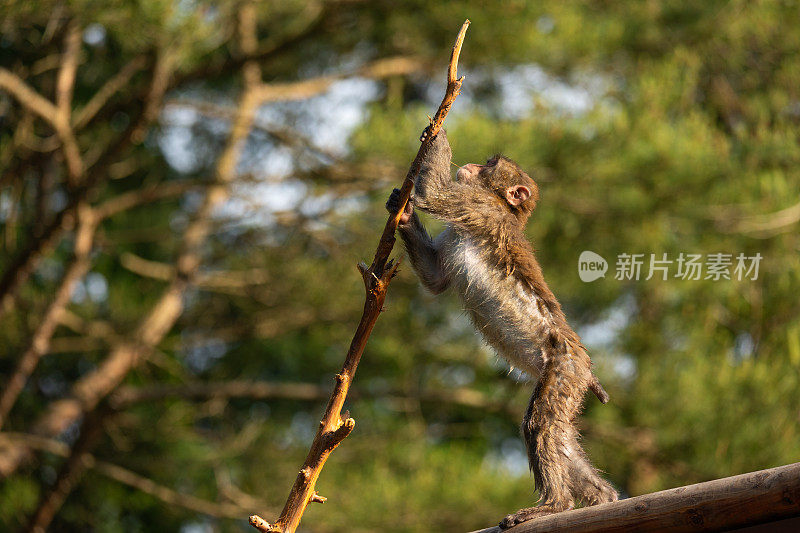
(517, 194)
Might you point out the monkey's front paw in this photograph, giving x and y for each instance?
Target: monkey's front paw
(393, 204)
(523, 515)
(425, 133)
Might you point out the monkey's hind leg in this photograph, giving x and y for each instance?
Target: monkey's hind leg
(547, 429)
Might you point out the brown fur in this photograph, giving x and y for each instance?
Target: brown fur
(484, 255)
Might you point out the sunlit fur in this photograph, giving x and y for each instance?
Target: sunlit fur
(484, 256)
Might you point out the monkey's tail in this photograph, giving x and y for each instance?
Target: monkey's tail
(598, 390)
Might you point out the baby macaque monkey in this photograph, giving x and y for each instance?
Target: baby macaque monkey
(484, 255)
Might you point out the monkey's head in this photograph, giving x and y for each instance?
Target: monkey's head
(517, 191)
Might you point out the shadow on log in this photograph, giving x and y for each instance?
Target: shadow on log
(767, 497)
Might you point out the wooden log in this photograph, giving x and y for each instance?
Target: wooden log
(718, 505)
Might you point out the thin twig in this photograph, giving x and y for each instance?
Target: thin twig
(453, 89)
(335, 426)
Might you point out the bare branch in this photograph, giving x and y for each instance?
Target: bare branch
(145, 267)
(102, 96)
(57, 117)
(256, 390)
(264, 390)
(770, 224)
(162, 70)
(248, 42)
(232, 492)
(72, 154)
(64, 89)
(40, 342)
(54, 23)
(295, 34)
(92, 388)
(26, 260)
(333, 428)
(138, 197)
(130, 478)
(208, 280)
(168, 495)
(284, 135)
(301, 90)
(28, 97)
(66, 76)
(69, 474)
(138, 124)
(98, 329)
(306, 29)
(40, 66)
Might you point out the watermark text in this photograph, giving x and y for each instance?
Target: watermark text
(663, 266)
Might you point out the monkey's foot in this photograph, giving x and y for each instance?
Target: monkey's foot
(523, 515)
(597, 492)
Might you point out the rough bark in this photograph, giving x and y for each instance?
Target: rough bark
(718, 505)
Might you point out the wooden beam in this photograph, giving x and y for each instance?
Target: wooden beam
(718, 505)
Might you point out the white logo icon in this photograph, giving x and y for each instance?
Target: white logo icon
(591, 266)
